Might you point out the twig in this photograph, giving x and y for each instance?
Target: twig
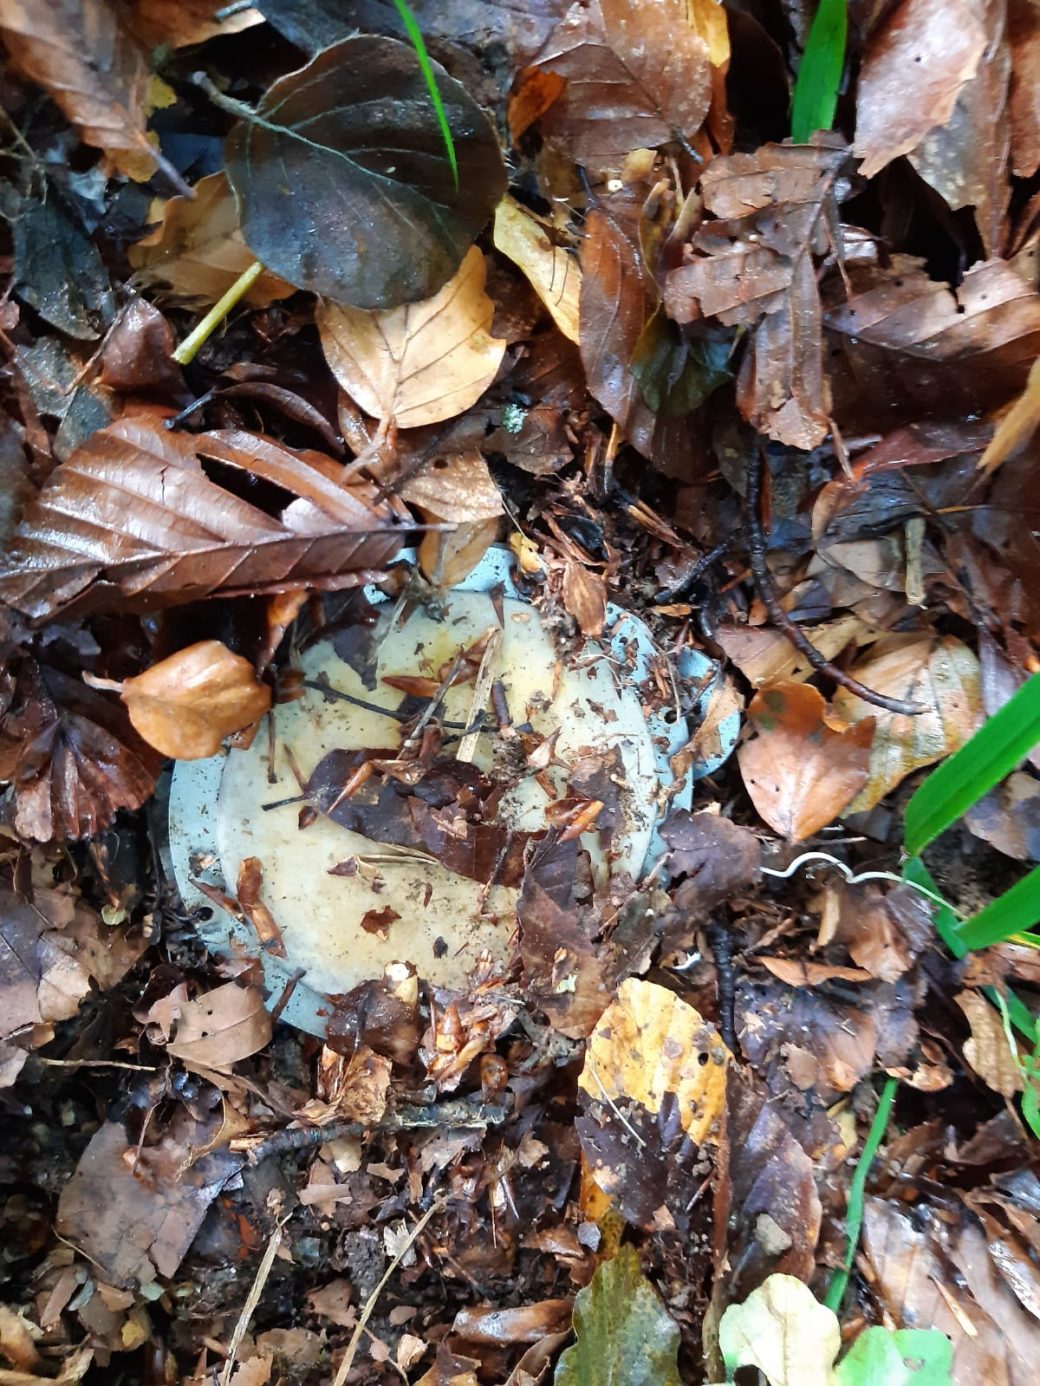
(481, 688)
(370, 1304)
(321, 686)
(96, 1063)
(252, 1300)
(791, 629)
(216, 315)
(854, 1215)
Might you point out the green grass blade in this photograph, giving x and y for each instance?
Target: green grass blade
(993, 752)
(419, 44)
(854, 1213)
(1017, 910)
(819, 72)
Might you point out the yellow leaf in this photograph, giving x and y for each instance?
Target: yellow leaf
(554, 275)
(649, 1043)
(421, 363)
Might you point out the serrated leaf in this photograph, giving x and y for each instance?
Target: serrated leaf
(783, 1330)
(906, 1357)
(344, 182)
(625, 1336)
(993, 752)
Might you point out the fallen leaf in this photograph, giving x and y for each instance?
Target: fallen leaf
(553, 274)
(59, 270)
(715, 856)
(801, 773)
(612, 310)
(942, 676)
(247, 893)
(585, 598)
(798, 973)
(1024, 97)
(902, 1357)
(988, 1050)
(377, 219)
(71, 756)
(528, 1323)
(197, 250)
(1008, 818)
(421, 363)
(764, 655)
(624, 1336)
(637, 76)
(1017, 426)
(178, 23)
(354, 1089)
(186, 704)
(133, 520)
(784, 1331)
(82, 55)
(221, 1027)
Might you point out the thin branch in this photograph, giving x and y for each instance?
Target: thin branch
(216, 315)
(252, 1300)
(793, 632)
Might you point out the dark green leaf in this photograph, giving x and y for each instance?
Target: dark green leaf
(993, 752)
(676, 374)
(906, 1357)
(1017, 910)
(625, 1336)
(819, 73)
(344, 183)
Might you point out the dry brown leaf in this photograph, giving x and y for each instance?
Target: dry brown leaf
(764, 655)
(797, 973)
(186, 704)
(247, 893)
(82, 55)
(916, 63)
(650, 1047)
(988, 1050)
(354, 1089)
(16, 1341)
(197, 250)
(1024, 98)
(455, 489)
(1017, 426)
(638, 75)
(221, 1027)
(613, 309)
(421, 363)
(553, 274)
(177, 23)
(801, 773)
(941, 675)
(585, 597)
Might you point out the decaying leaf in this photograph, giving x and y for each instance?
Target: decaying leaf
(612, 311)
(624, 1335)
(421, 363)
(585, 597)
(218, 1029)
(940, 675)
(376, 218)
(637, 76)
(178, 23)
(82, 54)
(554, 275)
(800, 771)
(782, 1329)
(714, 857)
(132, 519)
(988, 1050)
(196, 248)
(186, 704)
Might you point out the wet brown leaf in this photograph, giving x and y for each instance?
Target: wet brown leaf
(716, 857)
(132, 520)
(455, 489)
(83, 56)
(1024, 99)
(218, 1029)
(612, 304)
(941, 675)
(1008, 818)
(527, 1324)
(764, 655)
(247, 893)
(178, 23)
(71, 755)
(988, 1050)
(553, 274)
(585, 597)
(638, 75)
(801, 773)
(185, 705)
(422, 363)
(196, 249)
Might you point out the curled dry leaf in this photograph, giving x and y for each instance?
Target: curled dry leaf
(377, 217)
(638, 75)
(247, 893)
(801, 772)
(650, 1047)
(218, 1029)
(455, 489)
(941, 675)
(988, 1050)
(421, 363)
(186, 704)
(554, 275)
(132, 520)
(197, 249)
(83, 56)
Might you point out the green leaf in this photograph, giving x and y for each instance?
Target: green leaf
(343, 181)
(783, 1331)
(625, 1336)
(819, 73)
(970, 773)
(417, 41)
(675, 373)
(1017, 910)
(857, 1187)
(907, 1357)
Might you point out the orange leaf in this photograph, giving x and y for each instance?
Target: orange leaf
(184, 706)
(799, 771)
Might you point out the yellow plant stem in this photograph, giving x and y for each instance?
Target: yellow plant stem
(203, 331)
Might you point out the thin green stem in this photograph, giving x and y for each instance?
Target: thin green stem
(854, 1215)
(216, 315)
(414, 33)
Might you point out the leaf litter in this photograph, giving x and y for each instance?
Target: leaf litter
(624, 346)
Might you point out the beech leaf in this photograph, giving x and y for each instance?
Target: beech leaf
(553, 274)
(625, 1336)
(344, 182)
(783, 1330)
(185, 705)
(421, 363)
(132, 519)
(221, 1027)
(801, 773)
